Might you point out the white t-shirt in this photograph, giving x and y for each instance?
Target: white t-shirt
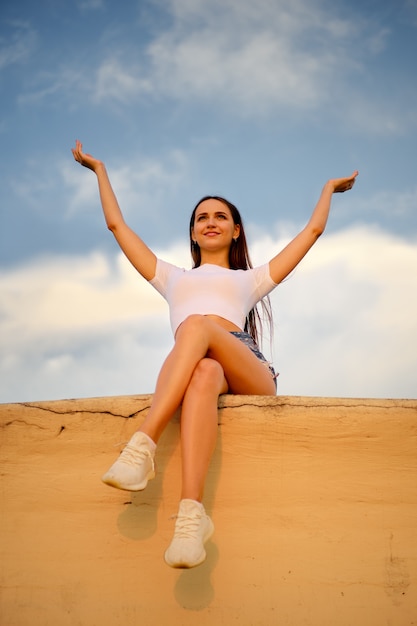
(211, 290)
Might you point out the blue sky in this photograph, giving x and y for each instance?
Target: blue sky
(260, 102)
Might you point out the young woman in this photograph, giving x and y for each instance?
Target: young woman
(212, 312)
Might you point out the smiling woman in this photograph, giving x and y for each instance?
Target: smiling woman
(212, 308)
(225, 219)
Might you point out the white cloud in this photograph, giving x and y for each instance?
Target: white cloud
(250, 59)
(57, 84)
(77, 326)
(88, 325)
(140, 182)
(376, 114)
(245, 55)
(394, 204)
(72, 295)
(18, 46)
(256, 59)
(347, 318)
(82, 186)
(255, 75)
(115, 81)
(156, 180)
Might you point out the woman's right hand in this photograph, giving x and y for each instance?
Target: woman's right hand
(85, 159)
(340, 185)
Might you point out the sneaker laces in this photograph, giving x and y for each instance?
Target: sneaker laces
(186, 527)
(132, 455)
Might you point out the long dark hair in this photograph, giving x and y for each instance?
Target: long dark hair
(239, 259)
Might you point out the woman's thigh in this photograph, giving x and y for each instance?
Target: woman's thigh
(244, 372)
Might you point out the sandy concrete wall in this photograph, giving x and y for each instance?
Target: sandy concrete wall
(314, 501)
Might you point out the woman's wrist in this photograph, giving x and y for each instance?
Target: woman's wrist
(329, 186)
(99, 168)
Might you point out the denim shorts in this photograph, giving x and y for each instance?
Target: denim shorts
(249, 341)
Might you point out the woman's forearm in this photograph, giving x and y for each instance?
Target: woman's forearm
(318, 220)
(111, 209)
(319, 217)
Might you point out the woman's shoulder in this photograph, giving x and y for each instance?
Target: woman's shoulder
(164, 270)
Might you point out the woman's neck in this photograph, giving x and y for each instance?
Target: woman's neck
(215, 258)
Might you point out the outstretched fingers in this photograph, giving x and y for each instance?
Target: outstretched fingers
(77, 151)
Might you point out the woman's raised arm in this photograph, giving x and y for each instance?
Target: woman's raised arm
(286, 260)
(138, 253)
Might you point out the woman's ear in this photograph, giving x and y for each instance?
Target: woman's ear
(236, 231)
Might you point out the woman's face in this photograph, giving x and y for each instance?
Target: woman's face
(214, 227)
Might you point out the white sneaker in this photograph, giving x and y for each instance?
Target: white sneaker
(135, 465)
(193, 528)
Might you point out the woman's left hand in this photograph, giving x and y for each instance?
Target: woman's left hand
(86, 160)
(340, 185)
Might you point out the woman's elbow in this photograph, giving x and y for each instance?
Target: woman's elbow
(317, 231)
(112, 226)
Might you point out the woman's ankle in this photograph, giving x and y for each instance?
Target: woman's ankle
(151, 440)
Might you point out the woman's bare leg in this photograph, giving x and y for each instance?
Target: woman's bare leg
(193, 527)
(196, 338)
(199, 426)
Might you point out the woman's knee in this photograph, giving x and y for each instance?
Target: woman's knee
(193, 324)
(208, 374)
